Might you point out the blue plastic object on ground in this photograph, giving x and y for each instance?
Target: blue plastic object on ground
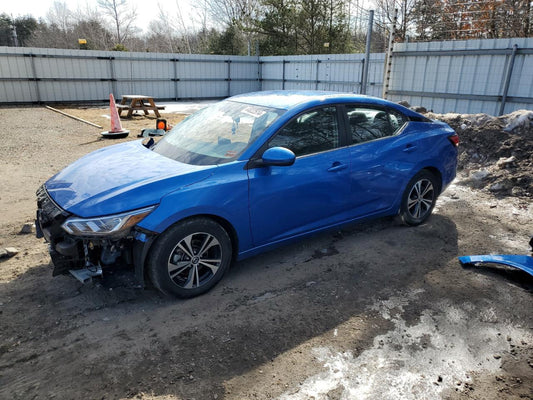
(525, 263)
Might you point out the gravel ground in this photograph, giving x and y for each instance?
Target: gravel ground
(375, 311)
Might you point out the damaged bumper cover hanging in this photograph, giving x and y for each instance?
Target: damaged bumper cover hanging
(525, 263)
(85, 256)
(522, 262)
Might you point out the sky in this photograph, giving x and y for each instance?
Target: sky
(147, 10)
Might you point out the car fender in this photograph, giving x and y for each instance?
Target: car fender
(426, 164)
(189, 202)
(440, 155)
(225, 199)
(436, 144)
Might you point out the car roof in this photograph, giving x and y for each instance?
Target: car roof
(287, 99)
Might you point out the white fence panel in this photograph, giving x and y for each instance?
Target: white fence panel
(461, 76)
(338, 72)
(31, 75)
(464, 76)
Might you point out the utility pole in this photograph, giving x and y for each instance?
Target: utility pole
(366, 65)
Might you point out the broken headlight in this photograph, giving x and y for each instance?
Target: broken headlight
(116, 225)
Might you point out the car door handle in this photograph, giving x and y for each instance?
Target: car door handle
(409, 148)
(337, 166)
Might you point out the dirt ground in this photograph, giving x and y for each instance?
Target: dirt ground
(375, 311)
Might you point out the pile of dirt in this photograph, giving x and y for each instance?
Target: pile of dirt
(495, 153)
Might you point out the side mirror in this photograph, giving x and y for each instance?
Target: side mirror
(278, 157)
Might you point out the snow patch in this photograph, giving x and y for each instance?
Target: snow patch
(517, 119)
(413, 362)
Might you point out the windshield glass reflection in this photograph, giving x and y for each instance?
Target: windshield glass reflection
(217, 134)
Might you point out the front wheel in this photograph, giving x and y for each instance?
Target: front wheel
(419, 198)
(190, 258)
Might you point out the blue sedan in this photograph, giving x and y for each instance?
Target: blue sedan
(240, 177)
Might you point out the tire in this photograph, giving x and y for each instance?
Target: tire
(419, 198)
(190, 258)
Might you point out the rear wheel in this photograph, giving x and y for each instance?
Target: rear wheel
(190, 258)
(419, 198)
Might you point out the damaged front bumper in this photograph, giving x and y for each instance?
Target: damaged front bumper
(87, 256)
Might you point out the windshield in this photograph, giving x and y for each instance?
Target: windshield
(216, 134)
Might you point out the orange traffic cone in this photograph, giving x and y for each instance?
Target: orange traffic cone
(116, 128)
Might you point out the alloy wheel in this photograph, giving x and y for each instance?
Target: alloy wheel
(195, 260)
(421, 198)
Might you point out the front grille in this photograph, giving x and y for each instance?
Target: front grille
(49, 217)
(50, 212)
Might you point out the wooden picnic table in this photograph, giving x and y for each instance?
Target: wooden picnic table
(136, 102)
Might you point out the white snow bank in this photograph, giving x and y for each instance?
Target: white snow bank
(517, 119)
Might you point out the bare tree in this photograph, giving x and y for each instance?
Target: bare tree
(60, 16)
(181, 21)
(123, 15)
(90, 25)
(169, 32)
(202, 13)
(239, 14)
(228, 12)
(385, 14)
(57, 31)
(459, 19)
(201, 18)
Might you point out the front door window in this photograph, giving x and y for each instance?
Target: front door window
(312, 132)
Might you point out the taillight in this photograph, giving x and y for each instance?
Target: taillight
(454, 139)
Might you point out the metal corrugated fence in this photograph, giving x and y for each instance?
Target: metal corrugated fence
(31, 75)
(339, 72)
(491, 76)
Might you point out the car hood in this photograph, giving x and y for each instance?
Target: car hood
(120, 178)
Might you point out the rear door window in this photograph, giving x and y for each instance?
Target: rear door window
(366, 123)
